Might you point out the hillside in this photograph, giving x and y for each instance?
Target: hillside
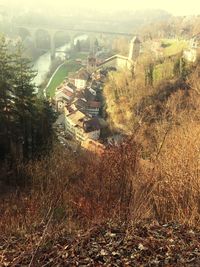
(137, 201)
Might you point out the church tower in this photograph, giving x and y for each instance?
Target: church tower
(134, 48)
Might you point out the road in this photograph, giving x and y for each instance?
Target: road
(62, 136)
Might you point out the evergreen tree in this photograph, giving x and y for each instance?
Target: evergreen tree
(78, 46)
(149, 74)
(24, 92)
(6, 96)
(25, 120)
(180, 68)
(44, 119)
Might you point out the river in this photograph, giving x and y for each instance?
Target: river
(43, 63)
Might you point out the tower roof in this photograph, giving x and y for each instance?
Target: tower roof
(135, 40)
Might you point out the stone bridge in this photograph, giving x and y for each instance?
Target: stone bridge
(72, 34)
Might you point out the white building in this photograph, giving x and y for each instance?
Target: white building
(79, 79)
(120, 62)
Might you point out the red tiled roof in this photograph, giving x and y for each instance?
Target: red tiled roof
(65, 92)
(94, 104)
(80, 94)
(68, 93)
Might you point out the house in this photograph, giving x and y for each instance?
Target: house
(70, 87)
(195, 41)
(87, 102)
(69, 108)
(63, 95)
(120, 62)
(93, 107)
(80, 103)
(193, 51)
(81, 126)
(79, 79)
(61, 99)
(89, 107)
(117, 61)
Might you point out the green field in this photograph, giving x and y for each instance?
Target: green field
(60, 75)
(173, 46)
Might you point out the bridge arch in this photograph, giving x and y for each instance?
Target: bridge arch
(45, 37)
(61, 37)
(24, 33)
(42, 39)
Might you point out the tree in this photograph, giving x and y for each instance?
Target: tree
(6, 96)
(122, 93)
(25, 120)
(180, 68)
(78, 46)
(24, 92)
(43, 131)
(149, 74)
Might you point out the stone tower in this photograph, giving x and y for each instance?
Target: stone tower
(134, 48)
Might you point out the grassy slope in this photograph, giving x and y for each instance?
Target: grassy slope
(174, 46)
(163, 71)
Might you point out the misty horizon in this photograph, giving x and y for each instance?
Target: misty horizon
(65, 7)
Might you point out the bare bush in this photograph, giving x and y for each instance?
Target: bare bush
(77, 192)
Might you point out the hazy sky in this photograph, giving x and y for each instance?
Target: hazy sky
(176, 7)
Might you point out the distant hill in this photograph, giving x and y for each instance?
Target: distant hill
(133, 21)
(170, 26)
(151, 15)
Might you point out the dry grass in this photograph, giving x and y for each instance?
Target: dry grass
(77, 192)
(177, 167)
